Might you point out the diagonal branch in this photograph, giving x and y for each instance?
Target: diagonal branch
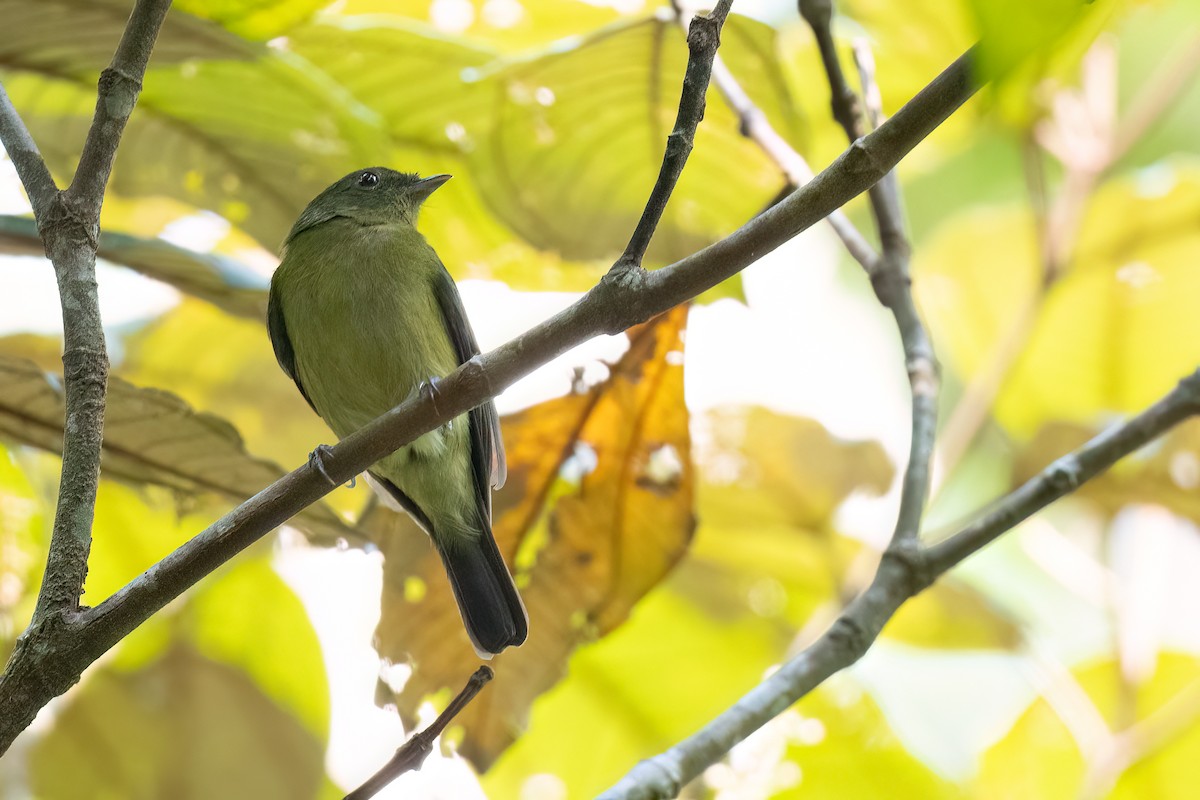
(25, 156)
(899, 578)
(37, 674)
(412, 754)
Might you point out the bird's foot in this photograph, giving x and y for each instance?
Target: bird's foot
(429, 388)
(316, 460)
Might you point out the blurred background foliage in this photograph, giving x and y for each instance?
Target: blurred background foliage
(672, 546)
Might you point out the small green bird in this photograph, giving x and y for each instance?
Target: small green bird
(362, 314)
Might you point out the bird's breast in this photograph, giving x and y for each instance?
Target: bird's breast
(368, 331)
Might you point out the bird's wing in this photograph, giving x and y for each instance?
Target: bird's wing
(284, 354)
(487, 448)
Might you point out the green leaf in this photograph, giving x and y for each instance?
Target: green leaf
(1166, 473)
(252, 19)
(184, 727)
(953, 615)
(237, 379)
(511, 27)
(23, 530)
(222, 281)
(783, 470)
(150, 436)
(1013, 32)
(1114, 334)
(837, 729)
(252, 137)
(1040, 758)
(278, 649)
(76, 38)
(577, 136)
(638, 691)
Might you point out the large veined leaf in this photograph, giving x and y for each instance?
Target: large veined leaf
(150, 436)
(76, 38)
(245, 130)
(1115, 332)
(578, 133)
(508, 26)
(185, 727)
(220, 280)
(1040, 757)
(611, 536)
(253, 19)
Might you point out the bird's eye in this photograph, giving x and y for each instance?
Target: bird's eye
(368, 180)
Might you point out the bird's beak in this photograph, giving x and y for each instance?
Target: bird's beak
(426, 186)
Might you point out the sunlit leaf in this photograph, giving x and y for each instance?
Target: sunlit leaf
(253, 19)
(608, 539)
(770, 468)
(831, 734)
(252, 136)
(278, 650)
(77, 38)
(184, 727)
(511, 26)
(150, 436)
(23, 524)
(1040, 757)
(1012, 32)
(654, 680)
(218, 279)
(1114, 334)
(951, 614)
(577, 137)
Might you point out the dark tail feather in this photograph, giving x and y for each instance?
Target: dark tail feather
(491, 608)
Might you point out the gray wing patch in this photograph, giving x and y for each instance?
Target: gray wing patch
(284, 354)
(487, 448)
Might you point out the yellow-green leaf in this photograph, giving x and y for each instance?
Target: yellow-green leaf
(150, 436)
(1114, 334)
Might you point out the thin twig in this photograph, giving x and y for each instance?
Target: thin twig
(900, 577)
(755, 126)
(890, 276)
(412, 754)
(704, 37)
(25, 156)
(35, 675)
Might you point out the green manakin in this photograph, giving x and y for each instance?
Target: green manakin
(362, 314)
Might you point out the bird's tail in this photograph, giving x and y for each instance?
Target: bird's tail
(491, 608)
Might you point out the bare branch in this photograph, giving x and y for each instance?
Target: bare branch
(70, 226)
(25, 156)
(120, 86)
(889, 276)
(754, 125)
(36, 674)
(412, 754)
(704, 37)
(1069, 472)
(901, 575)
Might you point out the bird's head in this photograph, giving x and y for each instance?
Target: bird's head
(371, 196)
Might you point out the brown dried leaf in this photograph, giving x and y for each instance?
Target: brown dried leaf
(585, 552)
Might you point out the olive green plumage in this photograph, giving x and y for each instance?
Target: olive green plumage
(361, 314)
